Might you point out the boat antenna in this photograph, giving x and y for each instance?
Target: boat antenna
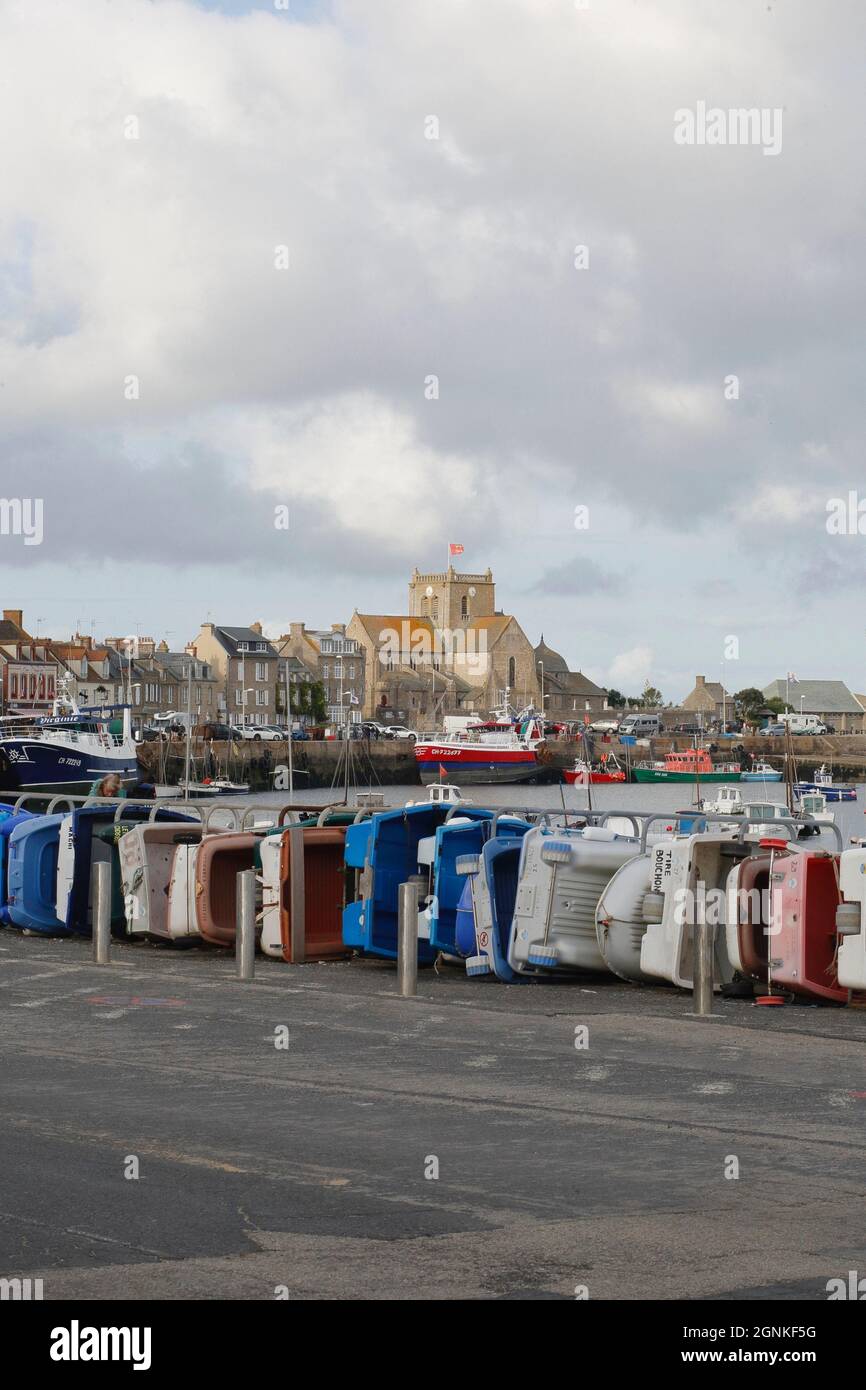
(588, 772)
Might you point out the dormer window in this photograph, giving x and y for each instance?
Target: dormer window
(243, 646)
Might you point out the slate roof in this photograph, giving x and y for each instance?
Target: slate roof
(819, 697)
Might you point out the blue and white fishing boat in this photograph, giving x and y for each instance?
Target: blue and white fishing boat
(761, 772)
(822, 781)
(67, 750)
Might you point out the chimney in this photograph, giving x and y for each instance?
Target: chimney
(296, 629)
(257, 628)
(700, 680)
(208, 627)
(14, 615)
(339, 629)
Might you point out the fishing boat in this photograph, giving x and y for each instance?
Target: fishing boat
(67, 750)
(822, 781)
(761, 772)
(605, 769)
(440, 793)
(217, 786)
(687, 766)
(563, 872)
(497, 751)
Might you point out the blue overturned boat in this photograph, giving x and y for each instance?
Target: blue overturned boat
(490, 895)
(384, 853)
(9, 819)
(31, 875)
(459, 840)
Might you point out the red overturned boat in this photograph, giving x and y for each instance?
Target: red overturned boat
(606, 769)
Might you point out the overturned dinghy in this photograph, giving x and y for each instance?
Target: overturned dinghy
(805, 896)
(147, 857)
(383, 853)
(619, 919)
(851, 919)
(455, 846)
(219, 860)
(304, 893)
(688, 882)
(492, 883)
(90, 835)
(31, 875)
(8, 823)
(563, 873)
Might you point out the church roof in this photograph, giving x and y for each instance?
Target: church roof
(553, 662)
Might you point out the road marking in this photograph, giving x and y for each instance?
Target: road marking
(714, 1088)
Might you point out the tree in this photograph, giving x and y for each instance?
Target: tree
(615, 699)
(747, 702)
(778, 706)
(651, 697)
(318, 703)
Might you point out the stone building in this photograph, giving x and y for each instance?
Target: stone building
(710, 699)
(336, 659)
(246, 668)
(452, 652)
(568, 695)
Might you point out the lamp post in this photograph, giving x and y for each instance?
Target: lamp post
(541, 664)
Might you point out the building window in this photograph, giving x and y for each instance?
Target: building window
(261, 697)
(261, 671)
(464, 607)
(352, 671)
(13, 687)
(324, 673)
(169, 695)
(239, 697)
(512, 672)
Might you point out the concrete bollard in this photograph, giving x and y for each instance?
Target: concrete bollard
(407, 940)
(100, 885)
(703, 969)
(245, 925)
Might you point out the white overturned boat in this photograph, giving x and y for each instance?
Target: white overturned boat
(562, 875)
(688, 881)
(147, 859)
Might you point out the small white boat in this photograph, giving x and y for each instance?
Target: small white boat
(726, 802)
(146, 855)
(440, 794)
(271, 941)
(813, 805)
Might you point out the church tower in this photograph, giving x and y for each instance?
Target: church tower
(451, 600)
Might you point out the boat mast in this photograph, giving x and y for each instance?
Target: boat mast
(188, 731)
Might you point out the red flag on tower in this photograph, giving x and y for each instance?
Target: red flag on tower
(455, 549)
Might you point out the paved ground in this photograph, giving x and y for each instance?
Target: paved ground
(305, 1168)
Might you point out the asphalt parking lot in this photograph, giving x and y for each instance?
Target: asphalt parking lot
(311, 1135)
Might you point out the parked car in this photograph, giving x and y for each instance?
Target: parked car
(300, 736)
(219, 732)
(641, 725)
(400, 731)
(686, 729)
(774, 730)
(148, 734)
(604, 726)
(257, 731)
(372, 729)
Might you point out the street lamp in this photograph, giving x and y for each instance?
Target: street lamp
(541, 664)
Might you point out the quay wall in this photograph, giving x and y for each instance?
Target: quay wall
(317, 762)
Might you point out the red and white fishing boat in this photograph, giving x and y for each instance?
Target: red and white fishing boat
(498, 750)
(606, 769)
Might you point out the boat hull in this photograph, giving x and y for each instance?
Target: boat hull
(831, 793)
(471, 766)
(652, 774)
(38, 765)
(760, 776)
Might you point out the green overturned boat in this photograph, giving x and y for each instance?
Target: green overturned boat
(692, 765)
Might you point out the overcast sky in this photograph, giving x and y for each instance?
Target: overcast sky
(155, 257)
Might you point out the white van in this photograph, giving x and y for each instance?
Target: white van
(803, 723)
(641, 725)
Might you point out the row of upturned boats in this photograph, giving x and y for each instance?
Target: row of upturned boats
(513, 896)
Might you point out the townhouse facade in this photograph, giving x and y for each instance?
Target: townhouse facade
(246, 668)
